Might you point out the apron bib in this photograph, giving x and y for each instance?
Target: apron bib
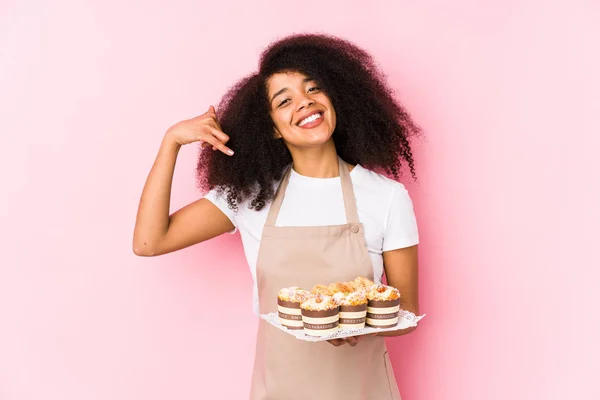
(286, 368)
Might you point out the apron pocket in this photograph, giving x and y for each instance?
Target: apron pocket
(394, 392)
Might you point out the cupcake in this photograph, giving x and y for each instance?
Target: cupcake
(361, 283)
(320, 315)
(288, 306)
(353, 309)
(383, 309)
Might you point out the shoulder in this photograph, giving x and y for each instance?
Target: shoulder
(374, 190)
(392, 203)
(376, 183)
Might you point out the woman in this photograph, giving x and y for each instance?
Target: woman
(296, 147)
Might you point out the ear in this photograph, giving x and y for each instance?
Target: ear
(276, 135)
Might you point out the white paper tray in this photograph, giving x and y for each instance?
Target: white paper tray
(407, 320)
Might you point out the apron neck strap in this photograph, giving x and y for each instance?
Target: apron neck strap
(347, 192)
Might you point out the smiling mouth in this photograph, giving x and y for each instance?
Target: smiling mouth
(310, 118)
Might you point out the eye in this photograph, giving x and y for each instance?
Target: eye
(284, 102)
(313, 88)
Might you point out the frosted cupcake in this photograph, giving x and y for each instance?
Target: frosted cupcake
(288, 306)
(383, 309)
(320, 315)
(353, 309)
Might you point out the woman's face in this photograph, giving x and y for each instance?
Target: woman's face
(303, 114)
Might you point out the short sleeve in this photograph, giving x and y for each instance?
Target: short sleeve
(401, 224)
(220, 201)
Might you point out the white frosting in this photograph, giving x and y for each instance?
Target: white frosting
(319, 303)
(383, 293)
(294, 294)
(338, 297)
(351, 299)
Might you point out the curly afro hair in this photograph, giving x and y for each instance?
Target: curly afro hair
(372, 128)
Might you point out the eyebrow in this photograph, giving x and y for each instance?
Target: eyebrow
(307, 79)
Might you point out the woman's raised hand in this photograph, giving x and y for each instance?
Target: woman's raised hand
(204, 128)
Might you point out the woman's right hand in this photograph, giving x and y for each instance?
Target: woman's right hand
(204, 128)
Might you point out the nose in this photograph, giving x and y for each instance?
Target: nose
(305, 102)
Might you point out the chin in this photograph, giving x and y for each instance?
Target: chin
(313, 138)
(313, 141)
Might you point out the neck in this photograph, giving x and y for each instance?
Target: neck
(319, 162)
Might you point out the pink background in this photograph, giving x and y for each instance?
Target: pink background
(507, 202)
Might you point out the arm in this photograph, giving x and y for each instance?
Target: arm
(401, 270)
(156, 232)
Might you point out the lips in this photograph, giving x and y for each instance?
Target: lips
(308, 119)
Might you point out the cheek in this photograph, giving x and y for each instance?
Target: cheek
(333, 117)
(325, 101)
(280, 119)
(275, 118)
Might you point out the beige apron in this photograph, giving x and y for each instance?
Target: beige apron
(287, 368)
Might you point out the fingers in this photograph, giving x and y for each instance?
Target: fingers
(211, 140)
(353, 340)
(222, 136)
(337, 342)
(220, 146)
(213, 114)
(215, 137)
(207, 145)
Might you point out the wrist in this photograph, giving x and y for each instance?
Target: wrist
(170, 142)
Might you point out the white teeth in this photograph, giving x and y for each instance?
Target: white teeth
(309, 119)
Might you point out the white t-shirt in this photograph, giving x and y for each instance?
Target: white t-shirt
(384, 208)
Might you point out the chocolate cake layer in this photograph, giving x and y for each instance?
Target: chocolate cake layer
(288, 304)
(353, 317)
(362, 307)
(320, 323)
(320, 327)
(383, 316)
(384, 303)
(383, 313)
(289, 314)
(320, 313)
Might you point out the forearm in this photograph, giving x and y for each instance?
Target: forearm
(152, 220)
(401, 269)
